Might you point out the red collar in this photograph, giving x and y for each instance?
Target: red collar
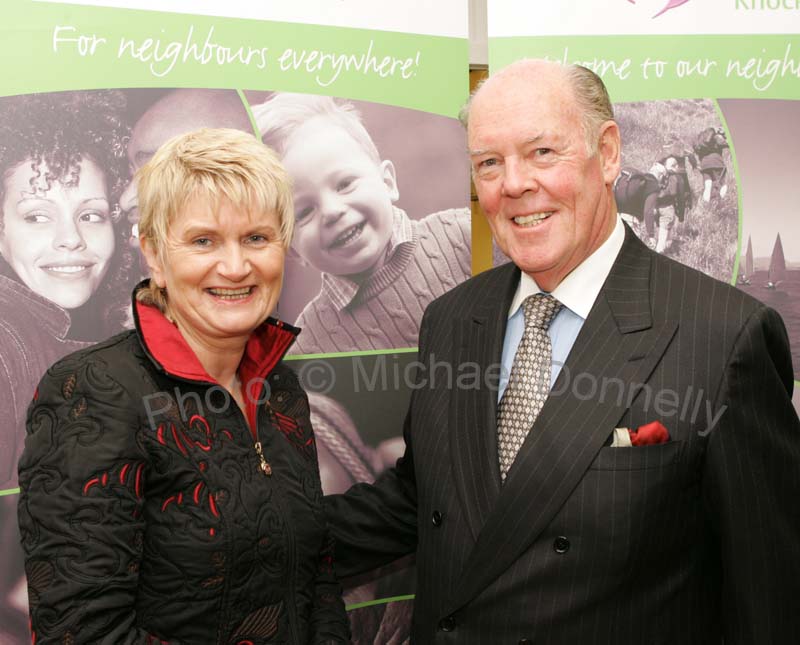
(170, 352)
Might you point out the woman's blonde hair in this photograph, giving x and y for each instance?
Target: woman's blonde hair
(214, 163)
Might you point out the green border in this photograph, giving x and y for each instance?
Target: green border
(732, 149)
(721, 48)
(250, 115)
(379, 601)
(9, 491)
(434, 79)
(367, 352)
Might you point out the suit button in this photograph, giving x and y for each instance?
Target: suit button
(436, 518)
(561, 544)
(447, 624)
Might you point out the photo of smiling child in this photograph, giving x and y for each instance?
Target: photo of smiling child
(379, 266)
(64, 264)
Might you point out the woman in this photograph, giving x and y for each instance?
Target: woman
(170, 490)
(61, 261)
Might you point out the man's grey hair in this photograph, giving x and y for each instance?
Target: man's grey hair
(591, 94)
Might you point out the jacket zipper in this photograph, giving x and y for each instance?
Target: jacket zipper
(265, 467)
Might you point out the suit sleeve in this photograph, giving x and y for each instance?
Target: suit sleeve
(329, 624)
(750, 486)
(82, 476)
(375, 524)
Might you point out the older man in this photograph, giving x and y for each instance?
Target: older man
(539, 513)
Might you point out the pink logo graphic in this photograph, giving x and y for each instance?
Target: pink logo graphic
(671, 4)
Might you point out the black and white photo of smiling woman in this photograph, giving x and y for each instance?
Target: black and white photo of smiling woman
(63, 266)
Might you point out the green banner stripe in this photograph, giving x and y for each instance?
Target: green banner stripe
(52, 47)
(638, 68)
(379, 601)
(365, 352)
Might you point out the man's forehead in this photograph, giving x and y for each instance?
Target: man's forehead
(183, 111)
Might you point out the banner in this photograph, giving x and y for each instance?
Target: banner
(706, 94)
(351, 93)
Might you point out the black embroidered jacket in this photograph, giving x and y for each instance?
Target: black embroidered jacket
(147, 513)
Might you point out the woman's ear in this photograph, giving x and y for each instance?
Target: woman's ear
(154, 263)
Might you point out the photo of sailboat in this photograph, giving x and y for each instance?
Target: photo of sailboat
(770, 192)
(746, 267)
(777, 265)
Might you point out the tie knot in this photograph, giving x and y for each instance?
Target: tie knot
(540, 309)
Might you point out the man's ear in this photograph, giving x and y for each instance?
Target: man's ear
(609, 149)
(390, 179)
(153, 262)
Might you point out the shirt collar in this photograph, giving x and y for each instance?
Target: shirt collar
(580, 288)
(340, 289)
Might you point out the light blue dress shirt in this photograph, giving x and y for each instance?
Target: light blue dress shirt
(577, 292)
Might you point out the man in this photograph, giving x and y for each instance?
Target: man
(586, 538)
(648, 197)
(175, 113)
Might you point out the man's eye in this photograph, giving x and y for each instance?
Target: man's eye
(542, 152)
(257, 239)
(202, 242)
(487, 163)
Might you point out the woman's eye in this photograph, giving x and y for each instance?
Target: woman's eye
(541, 152)
(36, 217)
(93, 217)
(257, 239)
(202, 242)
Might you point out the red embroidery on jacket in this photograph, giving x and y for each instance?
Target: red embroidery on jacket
(195, 422)
(213, 505)
(93, 481)
(138, 485)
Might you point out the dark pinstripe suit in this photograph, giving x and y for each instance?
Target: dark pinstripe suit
(677, 543)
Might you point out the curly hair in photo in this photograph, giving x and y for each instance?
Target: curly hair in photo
(57, 131)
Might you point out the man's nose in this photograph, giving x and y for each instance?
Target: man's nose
(128, 202)
(518, 178)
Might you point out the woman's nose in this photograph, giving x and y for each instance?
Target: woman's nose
(68, 237)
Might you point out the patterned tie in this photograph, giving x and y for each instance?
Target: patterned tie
(529, 382)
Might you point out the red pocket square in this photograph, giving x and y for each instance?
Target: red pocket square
(649, 434)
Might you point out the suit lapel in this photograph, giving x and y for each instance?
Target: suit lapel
(619, 340)
(478, 341)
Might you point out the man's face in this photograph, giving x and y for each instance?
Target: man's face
(154, 128)
(178, 112)
(342, 199)
(547, 200)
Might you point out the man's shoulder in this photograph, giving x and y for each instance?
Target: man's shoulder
(674, 280)
(474, 292)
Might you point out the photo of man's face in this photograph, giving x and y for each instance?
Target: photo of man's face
(175, 113)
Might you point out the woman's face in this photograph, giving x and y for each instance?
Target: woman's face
(59, 240)
(222, 269)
